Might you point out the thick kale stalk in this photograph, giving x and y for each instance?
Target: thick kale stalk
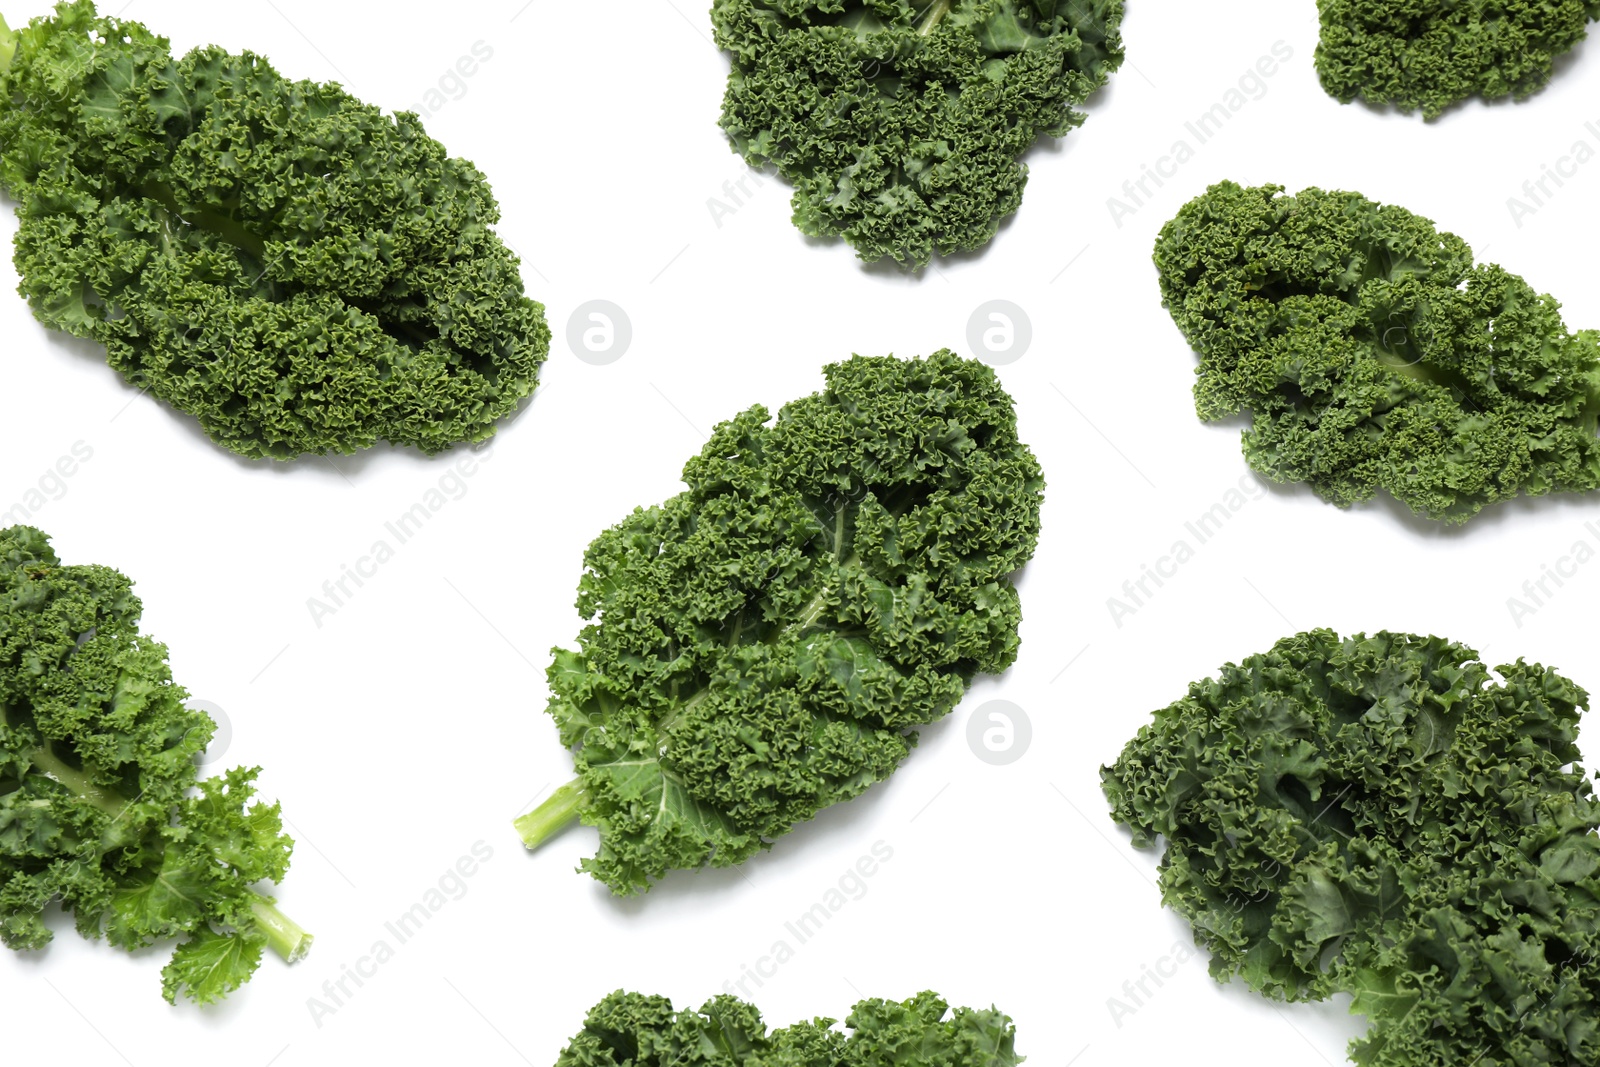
(1382, 817)
(101, 806)
(766, 643)
(901, 123)
(1374, 355)
(1429, 55)
(634, 1030)
(298, 271)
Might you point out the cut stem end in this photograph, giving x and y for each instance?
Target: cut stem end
(284, 935)
(555, 814)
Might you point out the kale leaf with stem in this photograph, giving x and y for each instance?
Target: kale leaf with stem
(102, 809)
(766, 643)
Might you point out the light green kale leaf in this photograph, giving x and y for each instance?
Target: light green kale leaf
(102, 809)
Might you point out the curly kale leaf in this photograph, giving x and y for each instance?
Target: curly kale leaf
(901, 123)
(634, 1030)
(1373, 354)
(298, 271)
(101, 806)
(1381, 817)
(766, 643)
(1429, 55)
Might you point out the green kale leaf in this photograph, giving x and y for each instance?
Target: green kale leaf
(765, 644)
(1380, 816)
(901, 123)
(1429, 55)
(298, 271)
(101, 806)
(634, 1030)
(1373, 354)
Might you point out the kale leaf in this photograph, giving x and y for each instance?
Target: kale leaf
(634, 1030)
(298, 271)
(101, 806)
(1429, 55)
(901, 123)
(766, 643)
(1379, 816)
(1373, 354)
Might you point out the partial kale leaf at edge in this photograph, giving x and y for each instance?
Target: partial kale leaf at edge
(293, 268)
(1381, 816)
(102, 809)
(1430, 57)
(634, 1030)
(766, 643)
(1372, 354)
(901, 123)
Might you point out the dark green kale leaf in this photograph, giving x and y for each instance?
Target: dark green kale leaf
(1381, 817)
(298, 271)
(901, 123)
(1373, 354)
(633, 1030)
(101, 806)
(1429, 55)
(766, 643)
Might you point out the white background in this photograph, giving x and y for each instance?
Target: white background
(409, 726)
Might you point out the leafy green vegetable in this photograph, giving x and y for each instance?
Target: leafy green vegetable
(295, 269)
(1380, 817)
(901, 122)
(101, 805)
(1432, 54)
(1374, 355)
(633, 1030)
(766, 643)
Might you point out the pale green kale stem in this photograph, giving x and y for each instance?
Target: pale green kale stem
(543, 822)
(285, 936)
(933, 16)
(8, 45)
(567, 802)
